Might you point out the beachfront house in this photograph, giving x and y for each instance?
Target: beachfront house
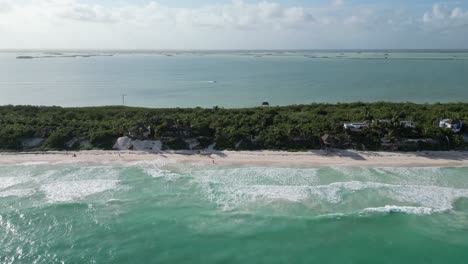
(355, 127)
(454, 125)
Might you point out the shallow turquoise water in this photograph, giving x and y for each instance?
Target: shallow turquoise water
(161, 212)
(239, 79)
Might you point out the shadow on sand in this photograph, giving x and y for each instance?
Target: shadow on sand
(442, 155)
(344, 154)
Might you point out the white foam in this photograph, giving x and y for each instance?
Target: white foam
(154, 168)
(333, 193)
(232, 188)
(414, 176)
(8, 227)
(353, 173)
(259, 176)
(17, 193)
(155, 163)
(81, 173)
(411, 172)
(271, 192)
(397, 175)
(330, 216)
(400, 209)
(159, 173)
(76, 190)
(6, 182)
(33, 163)
(438, 198)
(115, 201)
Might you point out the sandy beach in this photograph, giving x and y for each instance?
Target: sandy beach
(251, 158)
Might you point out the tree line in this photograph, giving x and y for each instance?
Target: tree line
(295, 127)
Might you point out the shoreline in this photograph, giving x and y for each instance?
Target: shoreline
(249, 158)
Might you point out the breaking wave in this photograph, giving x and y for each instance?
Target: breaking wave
(58, 183)
(316, 191)
(400, 209)
(232, 189)
(76, 190)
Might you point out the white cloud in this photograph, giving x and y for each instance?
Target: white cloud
(4, 6)
(235, 15)
(239, 24)
(338, 3)
(441, 17)
(439, 11)
(87, 13)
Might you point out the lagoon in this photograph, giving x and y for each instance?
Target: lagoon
(232, 79)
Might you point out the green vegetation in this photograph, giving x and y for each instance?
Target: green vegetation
(297, 127)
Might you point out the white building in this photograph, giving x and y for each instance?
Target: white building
(454, 125)
(355, 126)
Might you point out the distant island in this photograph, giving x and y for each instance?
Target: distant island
(379, 126)
(60, 55)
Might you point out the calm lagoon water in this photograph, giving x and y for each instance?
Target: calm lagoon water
(156, 212)
(233, 79)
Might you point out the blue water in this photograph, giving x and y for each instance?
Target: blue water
(154, 212)
(239, 79)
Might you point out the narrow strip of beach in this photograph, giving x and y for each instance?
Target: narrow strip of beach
(250, 158)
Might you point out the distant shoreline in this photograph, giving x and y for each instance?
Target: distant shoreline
(246, 158)
(233, 50)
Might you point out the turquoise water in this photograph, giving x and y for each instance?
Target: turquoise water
(162, 212)
(235, 79)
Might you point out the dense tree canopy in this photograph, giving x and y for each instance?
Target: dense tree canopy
(296, 127)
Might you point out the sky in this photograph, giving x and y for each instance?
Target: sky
(233, 24)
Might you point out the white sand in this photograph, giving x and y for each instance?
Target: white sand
(252, 158)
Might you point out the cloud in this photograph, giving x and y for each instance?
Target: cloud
(242, 16)
(338, 3)
(237, 14)
(238, 24)
(87, 13)
(4, 6)
(443, 18)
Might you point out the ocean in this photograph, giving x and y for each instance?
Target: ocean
(164, 212)
(232, 79)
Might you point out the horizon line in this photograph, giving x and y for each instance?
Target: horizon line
(254, 49)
